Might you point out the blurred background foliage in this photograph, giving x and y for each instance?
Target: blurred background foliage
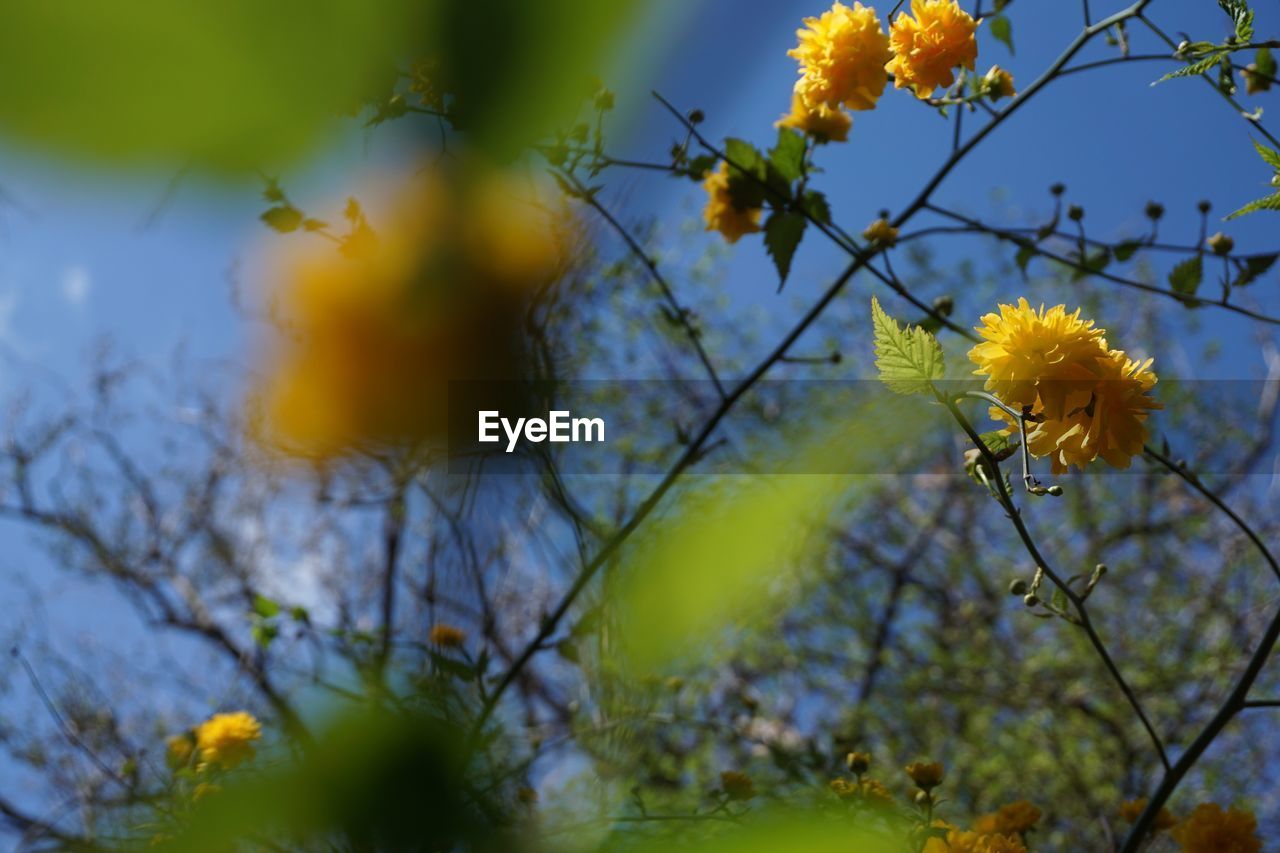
(757, 625)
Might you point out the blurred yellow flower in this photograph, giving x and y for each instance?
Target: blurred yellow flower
(226, 740)
(1131, 810)
(1011, 819)
(927, 775)
(842, 57)
(823, 123)
(959, 841)
(720, 213)
(446, 636)
(881, 233)
(1210, 829)
(935, 38)
(179, 749)
(998, 83)
(372, 332)
(737, 785)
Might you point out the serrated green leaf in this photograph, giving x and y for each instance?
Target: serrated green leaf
(815, 204)
(908, 359)
(1198, 67)
(1269, 155)
(265, 607)
(1252, 267)
(787, 156)
(1002, 31)
(1124, 251)
(782, 234)
(1271, 202)
(1241, 15)
(1001, 445)
(1186, 277)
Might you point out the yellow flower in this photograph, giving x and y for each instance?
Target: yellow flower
(1021, 344)
(227, 739)
(959, 841)
(937, 37)
(720, 213)
(178, 750)
(1012, 819)
(823, 123)
(926, 775)
(998, 83)
(1131, 810)
(446, 636)
(842, 57)
(881, 233)
(858, 762)
(1209, 829)
(374, 329)
(1110, 424)
(737, 785)
(844, 789)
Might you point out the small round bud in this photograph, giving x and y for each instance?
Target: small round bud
(836, 357)
(923, 798)
(1221, 244)
(1017, 586)
(884, 213)
(1275, 180)
(1058, 189)
(857, 762)
(1056, 491)
(697, 117)
(944, 305)
(927, 775)
(1203, 206)
(1155, 210)
(1075, 213)
(1183, 45)
(1030, 599)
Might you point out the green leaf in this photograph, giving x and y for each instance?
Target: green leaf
(815, 204)
(283, 218)
(782, 233)
(1001, 445)
(787, 157)
(908, 359)
(1002, 31)
(1252, 267)
(746, 174)
(1268, 155)
(1271, 202)
(699, 166)
(1265, 62)
(1199, 67)
(1241, 15)
(1026, 252)
(265, 607)
(1124, 251)
(1186, 277)
(1094, 262)
(263, 633)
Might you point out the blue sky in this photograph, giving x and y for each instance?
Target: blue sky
(85, 255)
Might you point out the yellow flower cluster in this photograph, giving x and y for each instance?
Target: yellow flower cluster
(721, 214)
(963, 841)
(446, 636)
(845, 58)
(1012, 819)
(1086, 400)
